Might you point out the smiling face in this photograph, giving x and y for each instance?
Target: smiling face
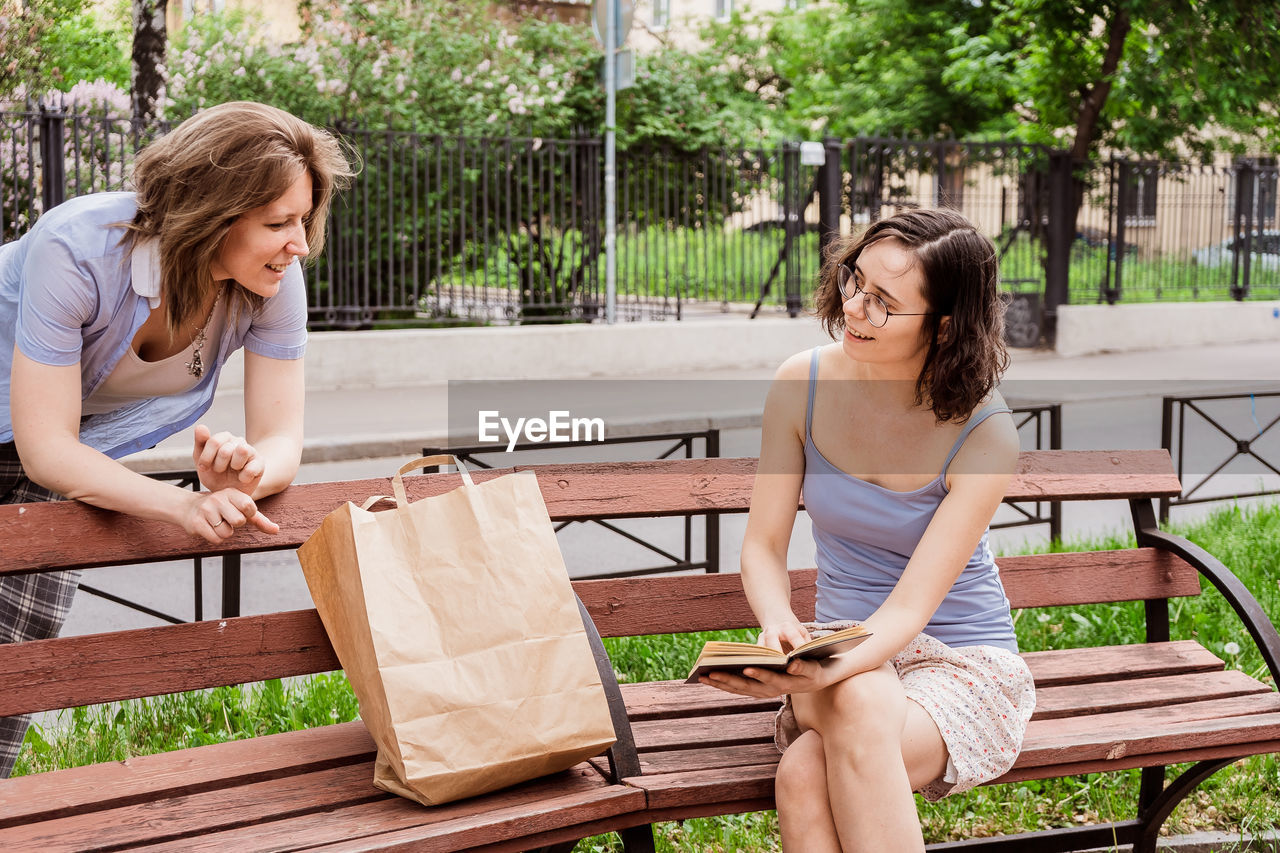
(889, 270)
(263, 242)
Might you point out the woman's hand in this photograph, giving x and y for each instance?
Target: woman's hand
(801, 676)
(226, 461)
(783, 636)
(217, 515)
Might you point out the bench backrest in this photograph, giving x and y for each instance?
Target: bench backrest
(66, 672)
(72, 535)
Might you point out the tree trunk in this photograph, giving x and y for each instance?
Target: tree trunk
(1091, 105)
(148, 56)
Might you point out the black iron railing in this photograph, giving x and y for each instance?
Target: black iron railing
(1206, 434)
(464, 230)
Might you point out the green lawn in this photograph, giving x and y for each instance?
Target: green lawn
(1241, 799)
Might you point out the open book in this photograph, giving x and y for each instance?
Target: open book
(717, 656)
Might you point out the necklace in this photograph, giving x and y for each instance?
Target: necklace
(196, 365)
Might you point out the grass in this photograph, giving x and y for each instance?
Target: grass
(1240, 800)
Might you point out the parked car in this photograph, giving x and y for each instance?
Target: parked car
(1264, 251)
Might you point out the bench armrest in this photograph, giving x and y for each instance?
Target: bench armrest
(624, 760)
(1236, 593)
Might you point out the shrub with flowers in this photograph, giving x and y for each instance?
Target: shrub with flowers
(98, 145)
(431, 67)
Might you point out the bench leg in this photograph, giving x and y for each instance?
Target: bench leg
(637, 839)
(1154, 816)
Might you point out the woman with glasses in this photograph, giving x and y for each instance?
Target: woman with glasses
(903, 449)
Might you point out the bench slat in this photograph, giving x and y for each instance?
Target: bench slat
(63, 793)
(1096, 577)
(1218, 722)
(547, 805)
(1147, 759)
(70, 671)
(624, 607)
(672, 700)
(66, 672)
(1131, 693)
(736, 778)
(31, 532)
(191, 815)
(1116, 663)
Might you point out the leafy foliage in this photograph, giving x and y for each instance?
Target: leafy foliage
(1183, 77)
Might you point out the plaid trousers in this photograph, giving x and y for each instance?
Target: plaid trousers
(32, 607)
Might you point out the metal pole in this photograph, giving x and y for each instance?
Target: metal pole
(1058, 240)
(52, 119)
(610, 163)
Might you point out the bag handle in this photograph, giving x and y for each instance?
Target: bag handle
(397, 482)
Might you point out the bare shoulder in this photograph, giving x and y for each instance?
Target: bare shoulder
(992, 447)
(785, 405)
(795, 367)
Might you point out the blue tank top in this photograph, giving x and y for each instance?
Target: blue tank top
(865, 535)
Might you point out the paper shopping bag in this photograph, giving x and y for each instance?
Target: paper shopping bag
(458, 628)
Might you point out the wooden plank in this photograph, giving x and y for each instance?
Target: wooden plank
(622, 607)
(74, 535)
(544, 805)
(713, 758)
(698, 788)
(66, 672)
(1110, 696)
(199, 814)
(746, 770)
(147, 778)
(1071, 741)
(1116, 663)
(1074, 475)
(71, 671)
(703, 732)
(653, 700)
(1242, 749)
(1095, 577)
(629, 607)
(672, 700)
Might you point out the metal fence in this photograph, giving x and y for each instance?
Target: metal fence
(458, 230)
(1154, 230)
(510, 229)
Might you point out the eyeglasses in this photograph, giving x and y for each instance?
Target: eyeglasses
(873, 306)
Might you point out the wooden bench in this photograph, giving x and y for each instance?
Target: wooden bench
(684, 751)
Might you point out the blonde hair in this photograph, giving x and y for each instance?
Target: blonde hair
(193, 183)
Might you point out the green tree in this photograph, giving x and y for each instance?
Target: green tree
(56, 43)
(860, 67)
(1142, 76)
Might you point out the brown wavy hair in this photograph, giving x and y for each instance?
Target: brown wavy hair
(193, 183)
(962, 282)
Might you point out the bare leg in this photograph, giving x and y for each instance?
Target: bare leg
(800, 790)
(877, 745)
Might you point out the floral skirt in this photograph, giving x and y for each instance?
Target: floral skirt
(981, 698)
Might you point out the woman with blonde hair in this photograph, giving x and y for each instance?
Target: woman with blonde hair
(117, 314)
(903, 449)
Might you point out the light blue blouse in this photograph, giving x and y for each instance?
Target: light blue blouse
(865, 534)
(68, 295)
